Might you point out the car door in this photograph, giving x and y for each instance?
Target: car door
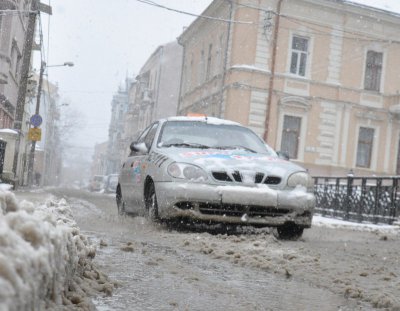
(138, 168)
(127, 174)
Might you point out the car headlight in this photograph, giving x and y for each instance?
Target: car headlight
(187, 171)
(300, 179)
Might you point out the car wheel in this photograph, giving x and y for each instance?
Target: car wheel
(289, 232)
(151, 203)
(120, 203)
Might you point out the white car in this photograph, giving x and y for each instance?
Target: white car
(216, 171)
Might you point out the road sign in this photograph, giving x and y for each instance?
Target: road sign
(36, 120)
(35, 134)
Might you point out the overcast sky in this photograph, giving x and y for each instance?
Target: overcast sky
(108, 40)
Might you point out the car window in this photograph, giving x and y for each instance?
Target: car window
(148, 140)
(143, 135)
(176, 133)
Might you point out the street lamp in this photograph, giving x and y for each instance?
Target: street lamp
(33, 146)
(68, 64)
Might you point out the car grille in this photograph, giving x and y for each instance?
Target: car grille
(237, 177)
(236, 210)
(239, 210)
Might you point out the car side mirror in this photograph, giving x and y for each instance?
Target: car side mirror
(283, 155)
(138, 147)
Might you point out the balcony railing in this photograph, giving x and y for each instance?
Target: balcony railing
(361, 199)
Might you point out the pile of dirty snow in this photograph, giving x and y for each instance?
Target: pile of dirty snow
(45, 263)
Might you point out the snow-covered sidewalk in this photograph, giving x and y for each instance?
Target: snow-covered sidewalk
(45, 262)
(321, 221)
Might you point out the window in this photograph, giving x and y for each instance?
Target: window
(209, 62)
(150, 136)
(201, 68)
(299, 56)
(15, 60)
(189, 75)
(373, 71)
(364, 147)
(290, 136)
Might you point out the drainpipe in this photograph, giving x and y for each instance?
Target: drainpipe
(228, 37)
(158, 82)
(273, 61)
(182, 77)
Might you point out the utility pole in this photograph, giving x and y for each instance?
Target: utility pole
(33, 146)
(26, 63)
(273, 63)
(36, 8)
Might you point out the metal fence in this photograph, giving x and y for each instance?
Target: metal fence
(370, 199)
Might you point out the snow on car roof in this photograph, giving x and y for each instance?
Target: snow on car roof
(208, 120)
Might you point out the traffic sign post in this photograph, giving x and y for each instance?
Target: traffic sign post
(35, 134)
(36, 120)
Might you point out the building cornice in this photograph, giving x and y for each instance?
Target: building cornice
(344, 7)
(199, 21)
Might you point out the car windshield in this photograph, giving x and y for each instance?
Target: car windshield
(195, 134)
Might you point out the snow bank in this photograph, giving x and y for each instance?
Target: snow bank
(321, 221)
(45, 263)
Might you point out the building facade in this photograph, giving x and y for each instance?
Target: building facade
(116, 148)
(99, 161)
(152, 95)
(157, 86)
(13, 29)
(50, 142)
(317, 79)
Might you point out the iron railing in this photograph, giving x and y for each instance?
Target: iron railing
(361, 199)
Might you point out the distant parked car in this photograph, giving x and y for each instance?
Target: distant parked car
(111, 183)
(217, 171)
(96, 183)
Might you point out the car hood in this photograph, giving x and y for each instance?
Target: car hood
(216, 160)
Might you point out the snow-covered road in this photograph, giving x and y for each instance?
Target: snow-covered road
(335, 266)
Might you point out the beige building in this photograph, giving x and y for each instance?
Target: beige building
(317, 79)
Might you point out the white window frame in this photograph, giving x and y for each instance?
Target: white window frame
(377, 49)
(303, 131)
(301, 34)
(375, 144)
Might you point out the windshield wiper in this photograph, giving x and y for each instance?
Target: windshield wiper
(188, 145)
(235, 147)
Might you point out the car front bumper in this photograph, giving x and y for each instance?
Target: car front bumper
(246, 205)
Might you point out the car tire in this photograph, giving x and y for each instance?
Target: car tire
(151, 203)
(288, 232)
(120, 203)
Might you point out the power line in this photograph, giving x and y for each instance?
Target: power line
(152, 3)
(361, 36)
